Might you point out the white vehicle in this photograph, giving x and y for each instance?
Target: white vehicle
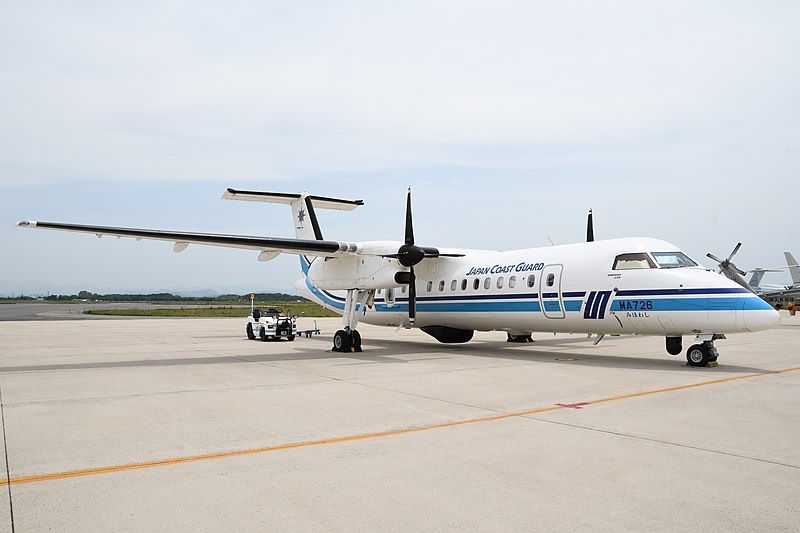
(270, 325)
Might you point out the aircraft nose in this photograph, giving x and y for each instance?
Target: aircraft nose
(761, 319)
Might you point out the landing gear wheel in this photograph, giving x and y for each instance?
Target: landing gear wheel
(356, 345)
(249, 330)
(341, 341)
(519, 338)
(698, 355)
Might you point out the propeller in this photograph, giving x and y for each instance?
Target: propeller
(409, 254)
(589, 228)
(730, 270)
(725, 266)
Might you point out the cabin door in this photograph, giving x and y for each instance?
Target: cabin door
(550, 291)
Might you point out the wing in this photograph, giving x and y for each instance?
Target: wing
(183, 239)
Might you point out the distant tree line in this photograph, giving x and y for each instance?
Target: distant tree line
(168, 297)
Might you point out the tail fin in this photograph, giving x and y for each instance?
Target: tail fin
(755, 279)
(306, 225)
(794, 268)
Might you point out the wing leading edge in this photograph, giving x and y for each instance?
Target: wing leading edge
(182, 238)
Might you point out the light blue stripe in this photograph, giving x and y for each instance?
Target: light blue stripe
(690, 304)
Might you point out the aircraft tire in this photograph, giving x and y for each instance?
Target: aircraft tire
(698, 355)
(249, 330)
(356, 341)
(341, 341)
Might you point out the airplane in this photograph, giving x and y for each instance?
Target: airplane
(640, 286)
(774, 295)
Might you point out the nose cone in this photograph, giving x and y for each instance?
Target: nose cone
(761, 319)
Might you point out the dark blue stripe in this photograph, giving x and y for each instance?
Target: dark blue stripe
(589, 302)
(475, 297)
(665, 292)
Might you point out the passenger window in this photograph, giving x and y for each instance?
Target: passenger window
(633, 262)
(487, 283)
(531, 280)
(430, 286)
(512, 282)
(551, 278)
(453, 285)
(403, 289)
(500, 282)
(441, 286)
(476, 284)
(463, 284)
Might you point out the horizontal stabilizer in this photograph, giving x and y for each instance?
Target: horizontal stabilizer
(320, 202)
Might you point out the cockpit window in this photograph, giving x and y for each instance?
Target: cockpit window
(673, 260)
(633, 262)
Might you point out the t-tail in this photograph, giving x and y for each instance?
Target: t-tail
(304, 216)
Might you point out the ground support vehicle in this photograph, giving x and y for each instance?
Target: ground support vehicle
(270, 325)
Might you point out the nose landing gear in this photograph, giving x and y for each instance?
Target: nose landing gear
(702, 354)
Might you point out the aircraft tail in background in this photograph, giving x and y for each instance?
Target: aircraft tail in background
(794, 268)
(755, 279)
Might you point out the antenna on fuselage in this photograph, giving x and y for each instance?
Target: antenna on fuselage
(589, 228)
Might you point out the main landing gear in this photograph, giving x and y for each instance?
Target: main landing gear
(348, 339)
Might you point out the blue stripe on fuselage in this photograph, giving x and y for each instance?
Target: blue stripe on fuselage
(529, 303)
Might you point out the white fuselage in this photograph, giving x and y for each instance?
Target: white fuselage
(571, 288)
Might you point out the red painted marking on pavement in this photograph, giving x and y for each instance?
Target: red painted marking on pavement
(572, 405)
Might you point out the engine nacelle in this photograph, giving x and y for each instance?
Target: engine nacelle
(354, 272)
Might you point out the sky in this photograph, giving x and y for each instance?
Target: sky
(510, 120)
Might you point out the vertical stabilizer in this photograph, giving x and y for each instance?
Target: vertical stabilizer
(755, 279)
(306, 225)
(794, 268)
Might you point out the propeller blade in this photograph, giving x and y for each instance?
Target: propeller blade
(735, 249)
(589, 228)
(412, 296)
(714, 257)
(409, 221)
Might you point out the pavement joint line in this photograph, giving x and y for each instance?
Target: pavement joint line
(38, 478)
(662, 441)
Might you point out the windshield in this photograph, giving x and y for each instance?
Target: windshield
(673, 259)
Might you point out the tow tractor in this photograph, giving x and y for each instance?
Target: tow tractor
(270, 325)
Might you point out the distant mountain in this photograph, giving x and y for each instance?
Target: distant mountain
(36, 288)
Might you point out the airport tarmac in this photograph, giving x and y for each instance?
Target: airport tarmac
(185, 425)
